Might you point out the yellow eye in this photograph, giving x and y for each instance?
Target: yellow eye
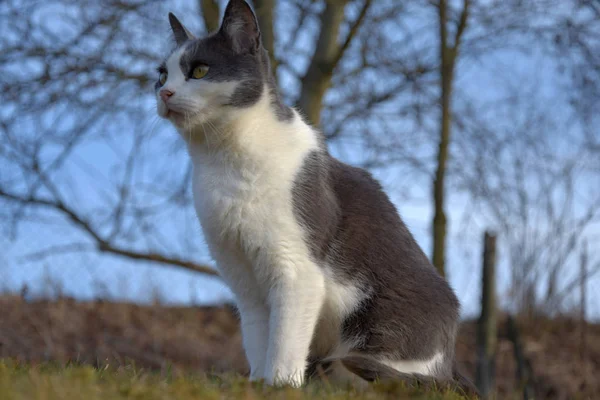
(200, 72)
(162, 78)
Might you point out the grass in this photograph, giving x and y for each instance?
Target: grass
(73, 382)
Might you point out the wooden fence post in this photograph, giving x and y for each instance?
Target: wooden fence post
(524, 370)
(582, 310)
(486, 329)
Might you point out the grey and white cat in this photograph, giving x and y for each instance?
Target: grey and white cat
(322, 267)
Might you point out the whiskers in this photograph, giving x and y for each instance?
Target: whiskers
(187, 124)
(213, 130)
(211, 134)
(196, 123)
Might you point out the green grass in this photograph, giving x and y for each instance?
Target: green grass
(51, 382)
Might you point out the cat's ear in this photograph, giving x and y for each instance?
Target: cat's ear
(179, 31)
(241, 28)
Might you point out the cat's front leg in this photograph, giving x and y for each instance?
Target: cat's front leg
(255, 335)
(254, 314)
(295, 302)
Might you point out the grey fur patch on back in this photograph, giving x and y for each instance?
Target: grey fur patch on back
(354, 229)
(319, 217)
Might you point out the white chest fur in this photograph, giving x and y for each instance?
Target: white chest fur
(243, 191)
(247, 210)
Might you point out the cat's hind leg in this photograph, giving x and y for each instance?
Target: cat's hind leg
(372, 370)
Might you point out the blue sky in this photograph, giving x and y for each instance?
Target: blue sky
(96, 169)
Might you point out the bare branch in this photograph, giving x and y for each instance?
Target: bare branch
(354, 27)
(158, 258)
(60, 249)
(462, 24)
(102, 244)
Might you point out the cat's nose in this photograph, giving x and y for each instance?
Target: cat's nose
(165, 94)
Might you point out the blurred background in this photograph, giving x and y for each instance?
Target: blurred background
(479, 117)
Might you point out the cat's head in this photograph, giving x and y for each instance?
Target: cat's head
(207, 79)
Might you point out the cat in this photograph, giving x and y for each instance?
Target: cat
(321, 265)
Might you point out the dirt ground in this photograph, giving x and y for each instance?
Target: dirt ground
(208, 339)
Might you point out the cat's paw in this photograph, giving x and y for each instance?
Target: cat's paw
(257, 374)
(293, 379)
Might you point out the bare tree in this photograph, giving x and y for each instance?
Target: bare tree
(328, 52)
(509, 25)
(577, 46)
(529, 178)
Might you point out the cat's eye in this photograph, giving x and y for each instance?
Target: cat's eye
(200, 72)
(162, 78)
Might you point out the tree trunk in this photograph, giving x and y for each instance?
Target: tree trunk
(487, 331)
(448, 53)
(318, 76)
(439, 218)
(210, 14)
(265, 13)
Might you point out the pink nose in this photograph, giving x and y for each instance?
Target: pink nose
(165, 94)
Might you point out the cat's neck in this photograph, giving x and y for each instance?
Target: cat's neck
(249, 133)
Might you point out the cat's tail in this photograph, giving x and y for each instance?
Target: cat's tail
(371, 370)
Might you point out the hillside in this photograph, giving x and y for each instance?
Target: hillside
(207, 339)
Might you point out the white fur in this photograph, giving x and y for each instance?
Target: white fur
(426, 367)
(340, 301)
